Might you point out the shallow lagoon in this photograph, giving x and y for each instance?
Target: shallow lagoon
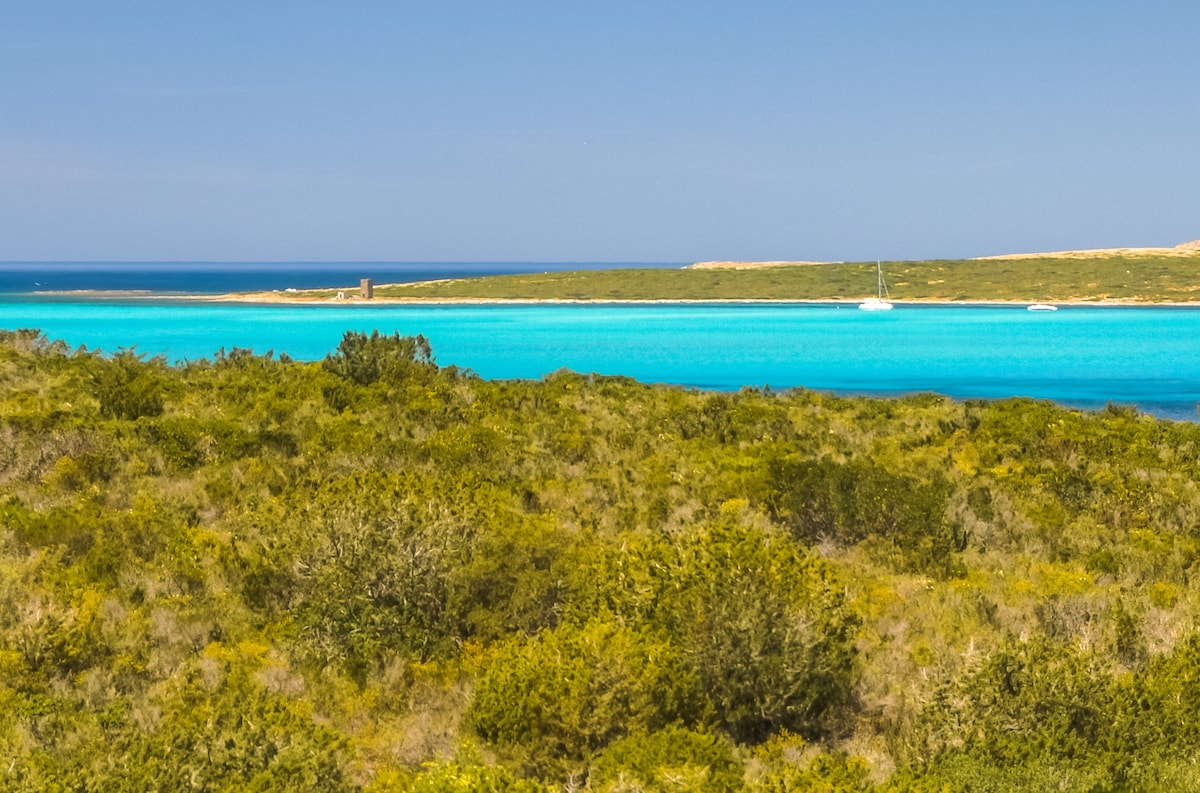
(1082, 356)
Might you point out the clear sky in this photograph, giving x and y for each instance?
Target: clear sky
(595, 131)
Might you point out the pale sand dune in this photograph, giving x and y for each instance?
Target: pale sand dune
(1184, 249)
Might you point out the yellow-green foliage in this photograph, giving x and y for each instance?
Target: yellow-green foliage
(1138, 277)
(255, 573)
(672, 759)
(557, 700)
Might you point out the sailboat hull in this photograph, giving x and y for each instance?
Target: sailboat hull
(874, 304)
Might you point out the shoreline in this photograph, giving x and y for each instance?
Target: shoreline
(281, 299)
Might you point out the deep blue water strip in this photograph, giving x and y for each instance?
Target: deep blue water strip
(214, 278)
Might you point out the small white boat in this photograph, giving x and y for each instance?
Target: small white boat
(877, 303)
(1041, 307)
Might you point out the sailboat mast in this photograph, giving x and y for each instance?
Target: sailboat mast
(877, 303)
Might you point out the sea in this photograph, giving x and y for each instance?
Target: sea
(217, 278)
(1079, 356)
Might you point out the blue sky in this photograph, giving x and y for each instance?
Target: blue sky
(616, 131)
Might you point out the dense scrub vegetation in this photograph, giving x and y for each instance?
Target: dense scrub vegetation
(374, 573)
(1132, 277)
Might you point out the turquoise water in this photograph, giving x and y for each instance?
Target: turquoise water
(1079, 356)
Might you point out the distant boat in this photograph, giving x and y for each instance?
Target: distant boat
(1041, 307)
(877, 303)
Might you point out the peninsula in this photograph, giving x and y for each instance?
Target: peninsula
(1109, 276)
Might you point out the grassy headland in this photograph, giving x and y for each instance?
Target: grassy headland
(1130, 277)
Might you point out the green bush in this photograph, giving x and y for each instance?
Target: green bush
(129, 387)
(785, 764)
(672, 759)
(365, 360)
(856, 501)
(762, 622)
(554, 701)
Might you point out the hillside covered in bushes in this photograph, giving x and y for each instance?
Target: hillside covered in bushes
(372, 572)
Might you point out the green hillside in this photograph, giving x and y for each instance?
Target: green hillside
(374, 573)
(1128, 278)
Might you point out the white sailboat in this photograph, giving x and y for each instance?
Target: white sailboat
(877, 303)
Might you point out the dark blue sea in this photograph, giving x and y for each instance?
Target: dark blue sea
(214, 278)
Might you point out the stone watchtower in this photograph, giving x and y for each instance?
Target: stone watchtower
(366, 289)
